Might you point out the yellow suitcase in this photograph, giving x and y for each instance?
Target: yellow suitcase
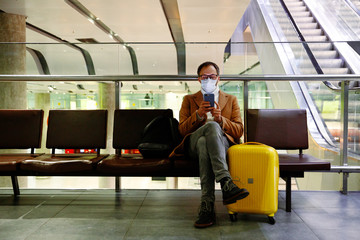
(255, 166)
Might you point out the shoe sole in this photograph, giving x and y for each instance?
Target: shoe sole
(233, 199)
(204, 225)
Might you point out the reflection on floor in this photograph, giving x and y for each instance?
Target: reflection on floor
(168, 214)
(109, 183)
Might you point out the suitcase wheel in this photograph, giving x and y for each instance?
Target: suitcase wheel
(271, 220)
(233, 217)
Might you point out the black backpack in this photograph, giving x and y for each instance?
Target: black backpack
(159, 137)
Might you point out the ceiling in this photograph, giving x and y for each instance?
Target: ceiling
(206, 27)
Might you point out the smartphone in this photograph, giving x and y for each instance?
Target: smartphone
(209, 97)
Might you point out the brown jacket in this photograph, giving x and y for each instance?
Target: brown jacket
(230, 112)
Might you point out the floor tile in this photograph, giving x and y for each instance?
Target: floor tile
(81, 229)
(172, 232)
(174, 194)
(167, 212)
(242, 231)
(96, 200)
(288, 231)
(330, 219)
(98, 212)
(14, 212)
(186, 223)
(20, 228)
(170, 214)
(335, 234)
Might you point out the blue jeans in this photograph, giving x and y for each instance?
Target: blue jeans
(209, 145)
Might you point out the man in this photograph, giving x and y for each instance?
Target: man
(208, 132)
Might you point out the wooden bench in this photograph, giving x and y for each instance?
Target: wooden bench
(19, 129)
(71, 129)
(284, 129)
(281, 129)
(128, 126)
(74, 129)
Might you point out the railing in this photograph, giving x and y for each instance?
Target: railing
(344, 79)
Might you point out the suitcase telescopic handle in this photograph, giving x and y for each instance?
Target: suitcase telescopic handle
(253, 143)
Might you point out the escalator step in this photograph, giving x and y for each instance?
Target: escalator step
(318, 54)
(325, 54)
(294, 3)
(304, 19)
(320, 46)
(307, 31)
(316, 38)
(312, 25)
(326, 71)
(324, 63)
(300, 14)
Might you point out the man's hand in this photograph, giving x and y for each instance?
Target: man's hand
(216, 112)
(204, 108)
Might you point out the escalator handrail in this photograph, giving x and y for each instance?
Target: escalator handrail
(349, 2)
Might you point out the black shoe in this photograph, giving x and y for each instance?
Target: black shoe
(206, 216)
(231, 192)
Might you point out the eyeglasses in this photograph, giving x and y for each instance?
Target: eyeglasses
(206, 76)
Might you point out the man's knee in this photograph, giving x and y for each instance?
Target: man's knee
(201, 142)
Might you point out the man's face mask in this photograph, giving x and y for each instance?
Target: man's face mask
(208, 85)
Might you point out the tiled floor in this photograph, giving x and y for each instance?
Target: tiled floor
(169, 214)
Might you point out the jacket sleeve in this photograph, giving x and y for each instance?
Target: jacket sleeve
(232, 123)
(188, 120)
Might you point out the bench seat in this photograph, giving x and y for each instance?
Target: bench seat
(86, 129)
(71, 129)
(10, 162)
(301, 162)
(19, 129)
(62, 163)
(284, 129)
(134, 165)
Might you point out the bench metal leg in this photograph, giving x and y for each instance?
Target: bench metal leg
(15, 185)
(288, 194)
(117, 184)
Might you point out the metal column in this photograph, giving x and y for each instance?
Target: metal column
(118, 85)
(246, 107)
(344, 137)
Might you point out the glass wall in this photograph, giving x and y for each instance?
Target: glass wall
(240, 59)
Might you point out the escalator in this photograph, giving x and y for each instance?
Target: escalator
(322, 55)
(347, 13)
(303, 46)
(323, 50)
(357, 4)
(301, 42)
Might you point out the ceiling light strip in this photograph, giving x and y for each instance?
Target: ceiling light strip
(97, 22)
